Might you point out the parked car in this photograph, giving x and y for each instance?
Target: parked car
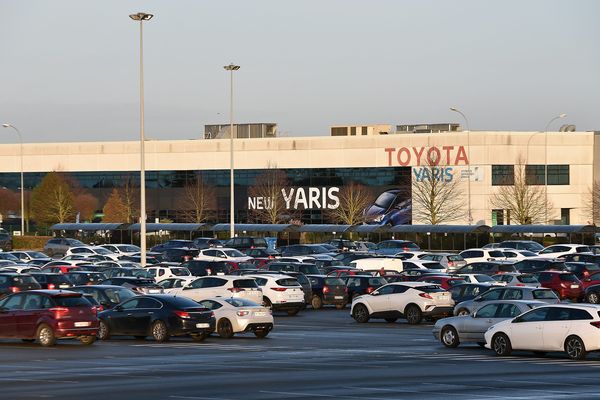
(107, 296)
(115, 272)
(60, 267)
(48, 315)
(205, 243)
(159, 316)
(29, 256)
(377, 263)
(12, 282)
(269, 254)
(5, 241)
(164, 271)
(451, 262)
(559, 250)
(59, 246)
(477, 278)
(531, 265)
(9, 257)
(179, 255)
(452, 331)
(328, 291)
(138, 285)
(89, 251)
(244, 243)
(391, 247)
(506, 293)
(85, 277)
(363, 284)
(204, 267)
(343, 244)
(482, 255)
(20, 268)
(445, 282)
(235, 315)
(565, 284)
(489, 268)
(226, 286)
(52, 281)
(172, 244)
(517, 279)
(592, 280)
(582, 269)
(592, 294)
(564, 327)
(410, 300)
(281, 292)
(305, 268)
(593, 258)
(365, 246)
(221, 254)
(516, 255)
(468, 291)
(305, 250)
(530, 245)
(122, 249)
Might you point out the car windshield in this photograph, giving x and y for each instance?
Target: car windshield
(233, 253)
(431, 289)
(240, 302)
(71, 301)
(118, 295)
(544, 294)
(334, 282)
(128, 249)
(385, 199)
(309, 269)
(245, 283)
(527, 279)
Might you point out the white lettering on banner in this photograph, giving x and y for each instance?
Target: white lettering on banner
(298, 198)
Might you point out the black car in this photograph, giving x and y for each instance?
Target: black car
(5, 241)
(108, 296)
(206, 243)
(363, 284)
(172, 244)
(85, 277)
(205, 268)
(179, 255)
(582, 270)
(305, 250)
(244, 243)
(328, 290)
(582, 257)
(263, 253)
(159, 316)
(468, 291)
(531, 265)
(343, 244)
(52, 281)
(487, 268)
(112, 272)
(306, 269)
(138, 285)
(11, 282)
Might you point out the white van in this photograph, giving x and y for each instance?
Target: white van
(388, 264)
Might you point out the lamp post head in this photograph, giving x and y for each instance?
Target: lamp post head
(141, 16)
(6, 125)
(454, 109)
(562, 115)
(232, 67)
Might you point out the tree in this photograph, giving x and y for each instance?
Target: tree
(269, 205)
(198, 201)
(353, 199)
(437, 194)
(114, 209)
(52, 200)
(130, 197)
(86, 205)
(591, 204)
(526, 203)
(9, 201)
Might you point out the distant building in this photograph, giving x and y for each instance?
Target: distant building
(428, 128)
(361, 130)
(241, 131)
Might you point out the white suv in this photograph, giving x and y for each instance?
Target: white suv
(219, 286)
(160, 272)
(482, 255)
(559, 250)
(410, 300)
(281, 292)
(222, 254)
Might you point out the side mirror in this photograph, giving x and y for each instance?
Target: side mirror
(118, 308)
(375, 293)
(587, 280)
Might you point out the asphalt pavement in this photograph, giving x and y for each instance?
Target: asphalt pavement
(315, 355)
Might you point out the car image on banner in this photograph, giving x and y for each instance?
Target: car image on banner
(391, 207)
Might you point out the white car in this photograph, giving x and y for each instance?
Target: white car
(160, 272)
(478, 278)
(236, 315)
(91, 250)
(281, 292)
(559, 250)
(572, 328)
(122, 249)
(482, 255)
(410, 300)
(224, 286)
(377, 263)
(517, 255)
(517, 279)
(410, 255)
(20, 269)
(222, 254)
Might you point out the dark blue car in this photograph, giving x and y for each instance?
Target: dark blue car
(391, 207)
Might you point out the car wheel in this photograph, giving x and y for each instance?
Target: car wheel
(462, 312)
(293, 312)
(449, 337)
(593, 298)
(340, 306)
(575, 348)
(103, 331)
(413, 314)
(45, 335)
(360, 313)
(391, 320)
(87, 340)
(316, 302)
(501, 344)
(261, 334)
(224, 328)
(199, 337)
(159, 331)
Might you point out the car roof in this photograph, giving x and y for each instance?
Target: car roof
(412, 283)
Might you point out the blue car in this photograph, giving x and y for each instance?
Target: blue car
(390, 208)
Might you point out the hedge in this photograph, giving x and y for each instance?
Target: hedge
(30, 242)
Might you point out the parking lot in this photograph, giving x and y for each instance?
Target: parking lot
(317, 354)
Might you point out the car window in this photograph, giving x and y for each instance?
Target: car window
(148, 303)
(536, 315)
(240, 302)
(210, 304)
(512, 294)
(544, 294)
(130, 305)
(244, 283)
(13, 302)
(578, 314)
(488, 311)
(32, 302)
(568, 278)
(71, 301)
(261, 281)
(507, 311)
(492, 295)
(389, 289)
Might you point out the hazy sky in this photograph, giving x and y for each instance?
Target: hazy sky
(69, 68)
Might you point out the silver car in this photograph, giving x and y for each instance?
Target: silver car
(450, 261)
(517, 279)
(506, 293)
(471, 328)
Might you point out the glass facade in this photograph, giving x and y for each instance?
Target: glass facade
(503, 175)
(557, 174)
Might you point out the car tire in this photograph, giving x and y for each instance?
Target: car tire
(391, 320)
(316, 302)
(593, 298)
(199, 337)
(413, 314)
(261, 334)
(87, 340)
(449, 337)
(103, 330)
(360, 313)
(462, 312)
(159, 331)
(293, 312)
(501, 344)
(340, 306)
(45, 335)
(575, 348)
(225, 329)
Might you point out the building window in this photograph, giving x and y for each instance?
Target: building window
(342, 131)
(558, 174)
(565, 215)
(503, 175)
(364, 131)
(497, 217)
(535, 175)
(353, 131)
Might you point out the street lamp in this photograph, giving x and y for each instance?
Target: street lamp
(560, 116)
(456, 110)
(141, 17)
(231, 67)
(22, 186)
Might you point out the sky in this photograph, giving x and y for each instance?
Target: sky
(69, 69)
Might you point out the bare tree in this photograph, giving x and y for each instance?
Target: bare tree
(591, 204)
(130, 196)
(267, 194)
(198, 201)
(526, 203)
(437, 194)
(353, 199)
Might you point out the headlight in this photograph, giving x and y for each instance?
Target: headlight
(379, 218)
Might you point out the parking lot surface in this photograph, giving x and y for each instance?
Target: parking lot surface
(321, 354)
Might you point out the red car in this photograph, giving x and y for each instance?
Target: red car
(61, 269)
(48, 315)
(565, 284)
(446, 282)
(593, 279)
(342, 273)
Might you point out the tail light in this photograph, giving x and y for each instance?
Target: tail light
(370, 289)
(325, 289)
(59, 312)
(279, 289)
(346, 289)
(187, 258)
(208, 271)
(182, 314)
(14, 289)
(426, 295)
(51, 286)
(451, 263)
(212, 314)
(271, 257)
(242, 313)
(235, 289)
(97, 309)
(595, 324)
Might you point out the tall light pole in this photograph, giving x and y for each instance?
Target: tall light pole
(456, 110)
(141, 17)
(560, 116)
(22, 186)
(231, 67)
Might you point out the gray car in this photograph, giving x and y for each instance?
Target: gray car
(59, 246)
(471, 328)
(506, 293)
(517, 279)
(450, 261)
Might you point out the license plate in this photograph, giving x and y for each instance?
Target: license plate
(574, 286)
(260, 314)
(220, 273)
(338, 297)
(63, 286)
(204, 325)
(82, 324)
(153, 291)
